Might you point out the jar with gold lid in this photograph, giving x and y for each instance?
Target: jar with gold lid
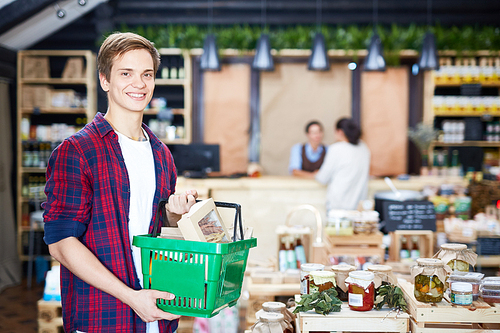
(341, 274)
(429, 275)
(457, 256)
(321, 280)
(382, 275)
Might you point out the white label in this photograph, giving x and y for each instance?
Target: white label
(355, 299)
(304, 283)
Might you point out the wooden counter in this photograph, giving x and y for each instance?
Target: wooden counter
(266, 201)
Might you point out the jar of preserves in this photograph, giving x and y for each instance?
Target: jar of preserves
(341, 274)
(461, 293)
(429, 275)
(270, 322)
(361, 290)
(320, 281)
(457, 256)
(305, 271)
(382, 275)
(278, 307)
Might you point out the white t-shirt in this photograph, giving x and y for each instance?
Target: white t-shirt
(140, 166)
(346, 170)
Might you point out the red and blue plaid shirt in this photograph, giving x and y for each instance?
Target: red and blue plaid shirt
(88, 197)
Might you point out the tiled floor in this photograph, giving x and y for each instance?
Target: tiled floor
(18, 308)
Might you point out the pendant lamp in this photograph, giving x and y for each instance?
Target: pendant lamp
(375, 61)
(429, 59)
(263, 59)
(210, 58)
(318, 61)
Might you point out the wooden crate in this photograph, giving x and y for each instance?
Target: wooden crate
(185, 325)
(353, 321)
(425, 243)
(361, 245)
(445, 317)
(49, 317)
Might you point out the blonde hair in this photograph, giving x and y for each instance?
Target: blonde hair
(119, 43)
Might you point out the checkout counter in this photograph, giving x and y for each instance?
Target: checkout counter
(267, 200)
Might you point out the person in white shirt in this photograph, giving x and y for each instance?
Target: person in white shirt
(346, 168)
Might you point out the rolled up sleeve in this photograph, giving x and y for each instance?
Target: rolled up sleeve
(69, 194)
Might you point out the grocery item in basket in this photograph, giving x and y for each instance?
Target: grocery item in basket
(429, 276)
(305, 271)
(461, 293)
(361, 290)
(457, 256)
(341, 273)
(203, 223)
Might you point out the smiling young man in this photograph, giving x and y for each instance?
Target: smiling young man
(103, 187)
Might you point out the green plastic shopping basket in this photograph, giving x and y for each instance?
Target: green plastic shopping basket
(204, 277)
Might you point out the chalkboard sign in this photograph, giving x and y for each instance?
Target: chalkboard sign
(409, 215)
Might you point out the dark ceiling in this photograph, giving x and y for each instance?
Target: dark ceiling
(84, 32)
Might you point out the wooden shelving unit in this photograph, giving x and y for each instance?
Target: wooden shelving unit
(86, 83)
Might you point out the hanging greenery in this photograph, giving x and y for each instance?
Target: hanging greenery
(394, 38)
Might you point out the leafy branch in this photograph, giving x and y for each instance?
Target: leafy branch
(392, 296)
(322, 303)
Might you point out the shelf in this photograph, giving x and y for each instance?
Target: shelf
(174, 142)
(170, 82)
(467, 144)
(55, 110)
(467, 114)
(33, 170)
(155, 112)
(458, 84)
(55, 81)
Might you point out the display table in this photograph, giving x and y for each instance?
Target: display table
(353, 321)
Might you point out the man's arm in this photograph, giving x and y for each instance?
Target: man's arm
(304, 174)
(76, 257)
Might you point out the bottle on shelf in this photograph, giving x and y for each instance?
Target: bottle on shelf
(282, 260)
(454, 169)
(435, 164)
(415, 252)
(290, 253)
(165, 71)
(181, 68)
(173, 68)
(300, 252)
(404, 253)
(443, 170)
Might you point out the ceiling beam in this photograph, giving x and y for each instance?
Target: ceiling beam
(45, 23)
(18, 10)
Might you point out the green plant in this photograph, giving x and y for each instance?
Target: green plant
(322, 303)
(392, 296)
(422, 136)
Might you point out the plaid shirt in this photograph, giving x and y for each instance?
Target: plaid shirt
(88, 197)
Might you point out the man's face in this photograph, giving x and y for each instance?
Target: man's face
(315, 134)
(131, 81)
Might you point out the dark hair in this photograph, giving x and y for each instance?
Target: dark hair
(350, 129)
(117, 44)
(311, 123)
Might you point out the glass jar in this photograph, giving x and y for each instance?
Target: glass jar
(338, 223)
(278, 307)
(320, 281)
(457, 256)
(461, 293)
(270, 322)
(305, 271)
(341, 274)
(429, 275)
(361, 290)
(382, 275)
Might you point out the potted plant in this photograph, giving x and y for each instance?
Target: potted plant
(422, 136)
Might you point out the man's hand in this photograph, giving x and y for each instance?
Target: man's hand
(179, 204)
(143, 303)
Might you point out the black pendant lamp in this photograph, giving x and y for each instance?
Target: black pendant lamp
(263, 60)
(375, 61)
(429, 59)
(318, 61)
(209, 60)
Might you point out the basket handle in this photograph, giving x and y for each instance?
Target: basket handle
(237, 217)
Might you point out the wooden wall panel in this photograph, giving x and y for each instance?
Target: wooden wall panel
(227, 115)
(290, 97)
(384, 119)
